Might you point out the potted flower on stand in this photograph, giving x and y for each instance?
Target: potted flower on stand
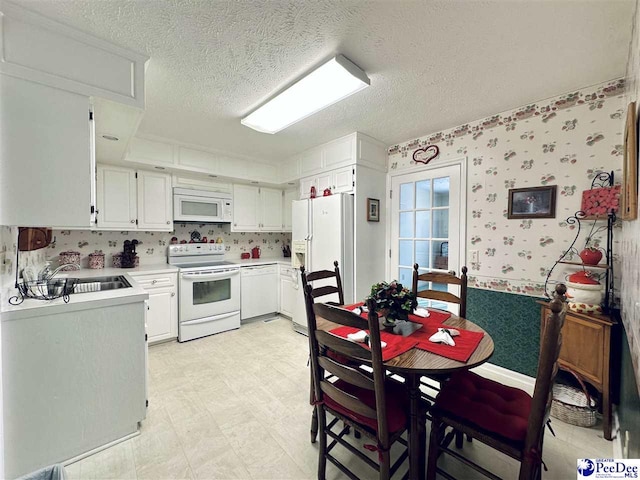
(393, 301)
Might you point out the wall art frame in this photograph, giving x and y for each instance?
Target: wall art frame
(373, 210)
(532, 202)
(629, 197)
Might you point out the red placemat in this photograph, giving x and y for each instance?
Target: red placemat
(435, 316)
(396, 344)
(466, 343)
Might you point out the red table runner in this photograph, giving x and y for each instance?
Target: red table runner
(466, 342)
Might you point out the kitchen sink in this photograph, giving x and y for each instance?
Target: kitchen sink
(97, 284)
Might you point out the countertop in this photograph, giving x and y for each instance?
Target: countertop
(251, 262)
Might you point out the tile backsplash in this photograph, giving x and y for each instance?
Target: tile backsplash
(153, 245)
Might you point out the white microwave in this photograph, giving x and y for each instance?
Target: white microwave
(201, 206)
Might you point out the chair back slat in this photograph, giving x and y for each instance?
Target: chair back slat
(347, 401)
(550, 344)
(439, 296)
(350, 374)
(319, 275)
(336, 314)
(326, 290)
(342, 346)
(443, 279)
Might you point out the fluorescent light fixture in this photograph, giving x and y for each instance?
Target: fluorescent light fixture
(324, 86)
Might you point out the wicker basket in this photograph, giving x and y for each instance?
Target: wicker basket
(573, 405)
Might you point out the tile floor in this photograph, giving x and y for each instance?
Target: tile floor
(236, 406)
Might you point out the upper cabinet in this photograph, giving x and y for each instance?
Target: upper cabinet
(256, 209)
(130, 200)
(42, 50)
(287, 220)
(353, 149)
(46, 155)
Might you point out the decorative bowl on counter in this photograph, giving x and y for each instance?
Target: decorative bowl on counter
(69, 258)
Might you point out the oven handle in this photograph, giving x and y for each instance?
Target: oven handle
(209, 319)
(204, 276)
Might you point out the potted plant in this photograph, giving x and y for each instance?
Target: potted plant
(393, 300)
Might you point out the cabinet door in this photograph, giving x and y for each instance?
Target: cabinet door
(116, 198)
(343, 180)
(46, 175)
(287, 217)
(339, 152)
(162, 317)
(271, 210)
(324, 181)
(286, 295)
(305, 187)
(246, 202)
(155, 210)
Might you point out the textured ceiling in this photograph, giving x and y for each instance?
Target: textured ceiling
(432, 64)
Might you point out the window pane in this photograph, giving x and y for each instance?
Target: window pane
(406, 196)
(423, 194)
(441, 223)
(405, 277)
(423, 224)
(440, 252)
(441, 192)
(406, 253)
(422, 253)
(406, 225)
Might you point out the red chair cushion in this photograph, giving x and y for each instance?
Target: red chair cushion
(397, 404)
(489, 405)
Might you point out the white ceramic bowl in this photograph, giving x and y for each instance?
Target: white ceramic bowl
(583, 293)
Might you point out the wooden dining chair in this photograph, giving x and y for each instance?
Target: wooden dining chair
(324, 290)
(504, 418)
(366, 402)
(324, 277)
(441, 296)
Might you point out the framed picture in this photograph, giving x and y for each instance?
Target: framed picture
(532, 202)
(629, 198)
(373, 210)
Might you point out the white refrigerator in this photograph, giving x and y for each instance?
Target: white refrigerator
(322, 232)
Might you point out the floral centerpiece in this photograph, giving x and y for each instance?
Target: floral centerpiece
(393, 300)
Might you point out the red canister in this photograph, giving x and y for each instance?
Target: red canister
(312, 192)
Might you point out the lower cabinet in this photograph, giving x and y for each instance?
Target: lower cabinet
(162, 317)
(288, 291)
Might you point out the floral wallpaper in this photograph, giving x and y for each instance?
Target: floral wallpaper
(562, 141)
(630, 238)
(153, 245)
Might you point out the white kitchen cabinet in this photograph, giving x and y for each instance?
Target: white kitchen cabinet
(287, 219)
(287, 291)
(46, 156)
(130, 200)
(162, 317)
(341, 180)
(155, 211)
(256, 209)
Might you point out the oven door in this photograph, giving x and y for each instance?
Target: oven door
(189, 208)
(206, 293)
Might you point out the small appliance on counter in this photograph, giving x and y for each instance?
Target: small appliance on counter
(129, 256)
(286, 251)
(255, 252)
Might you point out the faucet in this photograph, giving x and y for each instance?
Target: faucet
(47, 274)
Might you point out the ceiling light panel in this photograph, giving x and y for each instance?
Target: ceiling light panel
(324, 86)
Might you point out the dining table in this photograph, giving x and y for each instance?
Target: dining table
(416, 363)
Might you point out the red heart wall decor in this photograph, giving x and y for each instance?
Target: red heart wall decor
(425, 155)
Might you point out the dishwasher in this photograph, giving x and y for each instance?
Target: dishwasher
(258, 290)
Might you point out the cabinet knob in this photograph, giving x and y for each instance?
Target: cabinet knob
(154, 282)
(133, 221)
(168, 222)
(173, 294)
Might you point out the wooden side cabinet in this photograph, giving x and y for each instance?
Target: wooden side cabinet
(586, 350)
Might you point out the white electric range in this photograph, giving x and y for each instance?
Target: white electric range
(209, 290)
